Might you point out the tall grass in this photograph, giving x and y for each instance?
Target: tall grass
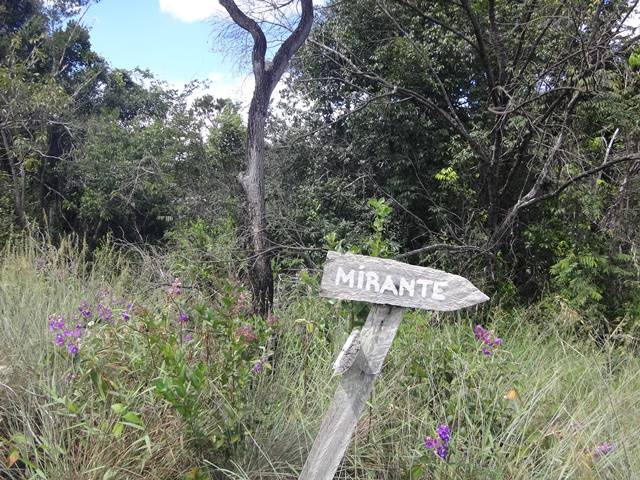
(571, 397)
(567, 395)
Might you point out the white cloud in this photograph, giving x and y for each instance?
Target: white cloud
(199, 10)
(634, 19)
(192, 10)
(237, 87)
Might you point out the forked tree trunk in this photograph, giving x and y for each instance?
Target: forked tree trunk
(252, 180)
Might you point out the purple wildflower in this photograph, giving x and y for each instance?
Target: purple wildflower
(430, 443)
(84, 309)
(56, 322)
(479, 331)
(257, 368)
(488, 338)
(77, 331)
(183, 318)
(104, 312)
(442, 451)
(246, 333)
(126, 314)
(72, 349)
(439, 445)
(187, 338)
(602, 450)
(103, 293)
(271, 319)
(59, 339)
(176, 287)
(444, 432)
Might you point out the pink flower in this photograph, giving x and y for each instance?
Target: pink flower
(488, 338)
(440, 445)
(246, 333)
(176, 287)
(602, 450)
(430, 443)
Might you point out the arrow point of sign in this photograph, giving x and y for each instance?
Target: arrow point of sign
(477, 297)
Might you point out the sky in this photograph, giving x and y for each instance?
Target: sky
(174, 39)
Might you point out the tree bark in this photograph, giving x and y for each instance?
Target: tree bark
(252, 181)
(267, 77)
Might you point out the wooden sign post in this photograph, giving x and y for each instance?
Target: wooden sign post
(391, 285)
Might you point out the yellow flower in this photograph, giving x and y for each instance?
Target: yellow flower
(512, 394)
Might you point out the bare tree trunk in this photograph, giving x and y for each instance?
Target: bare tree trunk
(253, 184)
(252, 180)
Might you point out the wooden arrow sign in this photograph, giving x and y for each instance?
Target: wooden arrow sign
(375, 280)
(383, 282)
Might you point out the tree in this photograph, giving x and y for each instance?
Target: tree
(267, 75)
(48, 78)
(465, 113)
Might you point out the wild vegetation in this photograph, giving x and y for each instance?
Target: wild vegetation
(498, 140)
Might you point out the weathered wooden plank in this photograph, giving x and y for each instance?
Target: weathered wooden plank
(348, 276)
(352, 393)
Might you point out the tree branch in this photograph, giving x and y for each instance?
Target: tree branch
(435, 21)
(292, 43)
(482, 50)
(620, 159)
(439, 246)
(251, 26)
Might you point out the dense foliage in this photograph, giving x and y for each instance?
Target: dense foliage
(503, 132)
(95, 150)
(496, 139)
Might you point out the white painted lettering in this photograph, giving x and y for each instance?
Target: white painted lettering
(388, 285)
(342, 277)
(437, 290)
(425, 284)
(361, 277)
(372, 281)
(408, 286)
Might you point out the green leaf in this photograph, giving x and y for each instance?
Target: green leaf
(132, 417)
(119, 408)
(417, 471)
(118, 429)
